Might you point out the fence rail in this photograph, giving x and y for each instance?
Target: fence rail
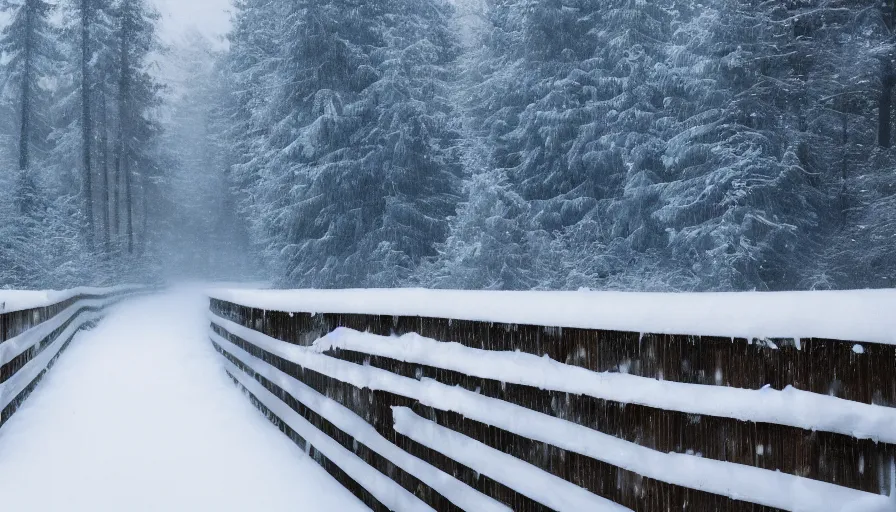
(32, 339)
(467, 415)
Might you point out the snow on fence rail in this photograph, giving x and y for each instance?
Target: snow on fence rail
(35, 327)
(462, 404)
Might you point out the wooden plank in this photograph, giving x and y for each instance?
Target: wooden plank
(862, 372)
(824, 456)
(619, 485)
(828, 367)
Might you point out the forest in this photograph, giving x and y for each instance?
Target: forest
(662, 145)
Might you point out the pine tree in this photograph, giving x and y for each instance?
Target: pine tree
(756, 216)
(137, 94)
(619, 144)
(564, 108)
(487, 247)
(104, 87)
(248, 75)
(86, 13)
(413, 140)
(849, 119)
(353, 182)
(29, 43)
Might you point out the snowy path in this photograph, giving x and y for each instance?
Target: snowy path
(138, 415)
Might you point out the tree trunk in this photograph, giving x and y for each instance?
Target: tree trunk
(129, 207)
(25, 128)
(104, 154)
(144, 211)
(116, 194)
(884, 131)
(27, 78)
(86, 123)
(844, 170)
(25, 192)
(124, 114)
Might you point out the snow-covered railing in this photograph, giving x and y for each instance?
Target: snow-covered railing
(475, 401)
(35, 327)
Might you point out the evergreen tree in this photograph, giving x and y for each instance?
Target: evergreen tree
(355, 180)
(87, 9)
(29, 42)
(487, 247)
(550, 144)
(851, 117)
(248, 76)
(566, 116)
(137, 94)
(32, 55)
(757, 218)
(39, 249)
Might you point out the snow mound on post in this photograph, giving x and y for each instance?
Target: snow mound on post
(865, 315)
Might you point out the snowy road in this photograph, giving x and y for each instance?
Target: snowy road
(138, 415)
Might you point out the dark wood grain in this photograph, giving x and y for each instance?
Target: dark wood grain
(375, 407)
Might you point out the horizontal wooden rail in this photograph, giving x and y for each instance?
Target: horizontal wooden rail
(31, 340)
(270, 353)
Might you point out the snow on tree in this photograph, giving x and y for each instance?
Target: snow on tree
(355, 177)
(501, 144)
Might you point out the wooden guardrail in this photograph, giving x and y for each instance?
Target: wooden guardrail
(32, 338)
(473, 415)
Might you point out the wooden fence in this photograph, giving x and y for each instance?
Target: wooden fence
(31, 340)
(859, 375)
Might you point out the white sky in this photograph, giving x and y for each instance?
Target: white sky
(210, 17)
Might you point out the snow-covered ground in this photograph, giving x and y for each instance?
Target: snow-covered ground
(138, 415)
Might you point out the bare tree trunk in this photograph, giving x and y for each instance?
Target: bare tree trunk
(123, 177)
(844, 170)
(116, 189)
(884, 131)
(24, 194)
(86, 123)
(124, 122)
(129, 207)
(104, 144)
(25, 127)
(144, 220)
(27, 70)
